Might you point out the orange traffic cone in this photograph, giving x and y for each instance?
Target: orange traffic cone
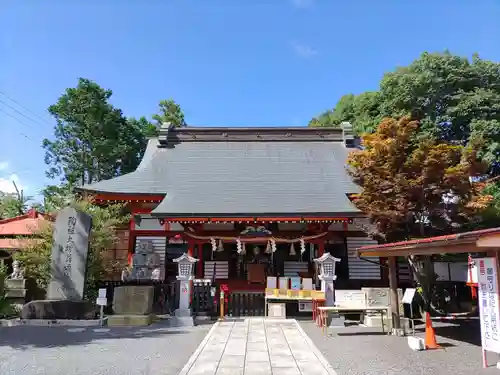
(430, 335)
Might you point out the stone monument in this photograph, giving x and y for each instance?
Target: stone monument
(70, 249)
(133, 304)
(183, 315)
(69, 255)
(326, 264)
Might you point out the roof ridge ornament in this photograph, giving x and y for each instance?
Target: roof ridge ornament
(165, 130)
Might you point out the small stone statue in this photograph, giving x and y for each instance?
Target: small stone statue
(156, 274)
(140, 273)
(153, 260)
(17, 271)
(126, 274)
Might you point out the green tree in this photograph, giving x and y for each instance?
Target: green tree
(93, 140)
(415, 188)
(56, 197)
(13, 204)
(446, 93)
(454, 99)
(362, 111)
(105, 220)
(170, 112)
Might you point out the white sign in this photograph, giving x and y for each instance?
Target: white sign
(102, 293)
(409, 295)
(101, 301)
(488, 304)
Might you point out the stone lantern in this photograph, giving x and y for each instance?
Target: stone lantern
(185, 268)
(326, 267)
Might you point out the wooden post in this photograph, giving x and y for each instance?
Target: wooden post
(221, 301)
(200, 260)
(321, 248)
(393, 285)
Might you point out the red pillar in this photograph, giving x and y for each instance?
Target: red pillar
(321, 248)
(190, 244)
(200, 260)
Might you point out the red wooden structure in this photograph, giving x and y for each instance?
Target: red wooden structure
(200, 187)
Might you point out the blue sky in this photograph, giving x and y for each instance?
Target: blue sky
(226, 62)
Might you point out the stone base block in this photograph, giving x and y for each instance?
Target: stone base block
(15, 293)
(416, 343)
(53, 310)
(178, 321)
(336, 321)
(182, 313)
(133, 300)
(15, 284)
(375, 321)
(130, 320)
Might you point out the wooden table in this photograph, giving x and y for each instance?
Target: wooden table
(324, 311)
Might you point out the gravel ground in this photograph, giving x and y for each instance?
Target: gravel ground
(153, 350)
(359, 350)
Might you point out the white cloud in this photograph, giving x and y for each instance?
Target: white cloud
(4, 165)
(6, 185)
(302, 3)
(303, 50)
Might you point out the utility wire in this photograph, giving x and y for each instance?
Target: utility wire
(20, 113)
(24, 115)
(25, 108)
(20, 121)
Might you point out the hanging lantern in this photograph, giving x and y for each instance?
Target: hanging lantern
(239, 246)
(292, 250)
(214, 244)
(221, 246)
(268, 248)
(302, 246)
(273, 245)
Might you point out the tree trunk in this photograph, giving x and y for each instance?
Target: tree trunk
(423, 269)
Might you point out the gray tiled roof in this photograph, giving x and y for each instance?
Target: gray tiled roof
(252, 177)
(255, 177)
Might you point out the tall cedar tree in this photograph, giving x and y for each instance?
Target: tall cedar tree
(93, 140)
(414, 187)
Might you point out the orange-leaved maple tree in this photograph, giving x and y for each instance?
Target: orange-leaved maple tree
(415, 187)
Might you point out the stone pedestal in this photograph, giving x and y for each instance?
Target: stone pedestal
(133, 300)
(327, 286)
(15, 291)
(182, 316)
(54, 310)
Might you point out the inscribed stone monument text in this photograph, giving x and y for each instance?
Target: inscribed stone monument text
(70, 249)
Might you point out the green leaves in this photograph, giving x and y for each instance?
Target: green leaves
(170, 112)
(105, 220)
(453, 98)
(362, 111)
(93, 140)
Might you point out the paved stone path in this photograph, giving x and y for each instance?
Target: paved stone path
(257, 347)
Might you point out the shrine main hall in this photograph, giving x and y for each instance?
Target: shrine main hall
(247, 203)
